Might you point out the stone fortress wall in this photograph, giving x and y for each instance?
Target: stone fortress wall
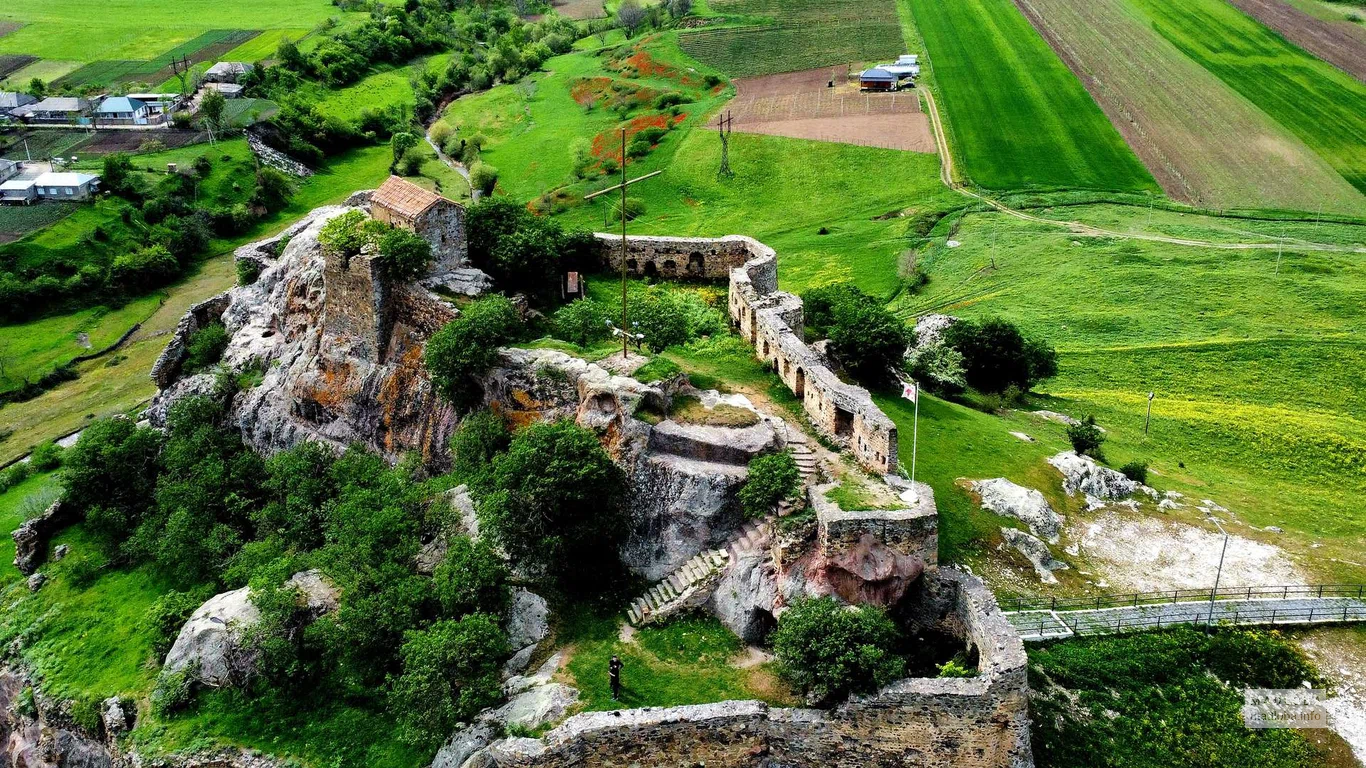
(674, 258)
(978, 722)
(772, 321)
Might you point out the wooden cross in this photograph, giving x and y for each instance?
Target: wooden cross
(625, 329)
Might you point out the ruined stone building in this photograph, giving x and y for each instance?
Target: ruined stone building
(439, 221)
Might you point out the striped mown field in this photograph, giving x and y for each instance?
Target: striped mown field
(1205, 142)
(794, 35)
(1018, 117)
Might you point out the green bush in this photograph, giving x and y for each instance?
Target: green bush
(168, 614)
(46, 457)
(868, 341)
(581, 322)
(483, 177)
(471, 579)
(247, 271)
(831, 651)
(996, 355)
(403, 255)
(1086, 437)
(174, 691)
(554, 505)
(109, 475)
(342, 235)
(467, 347)
(450, 673)
(1136, 470)
(481, 436)
(205, 347)
(772, 478)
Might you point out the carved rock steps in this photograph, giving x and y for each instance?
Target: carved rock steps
(667, 596)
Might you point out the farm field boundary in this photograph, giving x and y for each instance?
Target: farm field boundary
(1204, 143)
(1018, 116)
(1334, 43)
(1313, 100)
(798, 35)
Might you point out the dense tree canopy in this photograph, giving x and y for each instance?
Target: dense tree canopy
(554, 503)
(868, 340)
(467, 347)
(996, 355)
(832, 651)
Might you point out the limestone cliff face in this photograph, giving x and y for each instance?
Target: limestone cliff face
(339, 371)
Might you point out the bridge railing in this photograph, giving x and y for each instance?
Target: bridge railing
(1239, 614)
(1133, 599)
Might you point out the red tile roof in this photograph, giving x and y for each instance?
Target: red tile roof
(404, 197)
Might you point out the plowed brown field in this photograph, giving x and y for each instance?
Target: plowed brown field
(803, 105)
(1202, 141)
(1331, 42)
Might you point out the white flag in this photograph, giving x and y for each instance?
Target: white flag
(909, 391)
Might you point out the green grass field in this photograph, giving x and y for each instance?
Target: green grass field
(42, 345)
(16, 505)
(1320, 104)
(1255, 370)
(766, 36)
(1018, 117)
(90, 30)
(378, 91)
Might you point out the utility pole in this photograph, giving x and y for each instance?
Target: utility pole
(624, 330)
(181, 68)
(1149, 415)
(1279, 243)
(723, 130)
(1218, 573)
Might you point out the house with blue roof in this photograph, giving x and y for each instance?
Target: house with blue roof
(125, 110)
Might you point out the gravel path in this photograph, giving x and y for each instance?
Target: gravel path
(1045, 625)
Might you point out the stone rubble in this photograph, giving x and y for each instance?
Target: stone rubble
(1036, 552)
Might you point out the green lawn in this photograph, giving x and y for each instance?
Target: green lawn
(378, 91)
(686, 661)
(1017, 116)
(1322, 105)
(34, 348)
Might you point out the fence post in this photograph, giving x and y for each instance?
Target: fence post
(1320, 590)
(1273, 617)
(1286, 592)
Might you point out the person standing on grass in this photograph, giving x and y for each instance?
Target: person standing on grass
(614, 674)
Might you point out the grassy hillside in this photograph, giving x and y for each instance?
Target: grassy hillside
(1019, 118)
(1254, 369)
(1323, 106)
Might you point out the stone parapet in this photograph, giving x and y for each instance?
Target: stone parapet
(978, 722)
(913, 530)
(772, 321)
(699, 258)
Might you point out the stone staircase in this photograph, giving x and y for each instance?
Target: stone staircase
(687, 587)
(807, 461)
(690, 586)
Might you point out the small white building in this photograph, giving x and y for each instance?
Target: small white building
(12, 100)
(227, 71)
(8, 169)
(66, 186)
(123, 110)
(18, 191)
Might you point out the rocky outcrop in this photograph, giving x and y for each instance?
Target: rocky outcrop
(1081, 474)
(167, 366)
(747, 596)
(533, 701)
(321, 379)
(32, 536)
(210, 643)
(1002, 497)
(1036, 552)
(468, 282)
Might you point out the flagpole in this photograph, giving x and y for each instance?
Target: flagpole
(915, 439)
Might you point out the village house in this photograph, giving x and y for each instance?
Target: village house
(124, 110)
(12, 100)
(55, 110)
(877, 79)
(66, 186)
(8, 169)
(18, 192)
(159, 105)
(226, 72)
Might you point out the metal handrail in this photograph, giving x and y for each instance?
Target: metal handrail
(1273, 616)
(1133, 599)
